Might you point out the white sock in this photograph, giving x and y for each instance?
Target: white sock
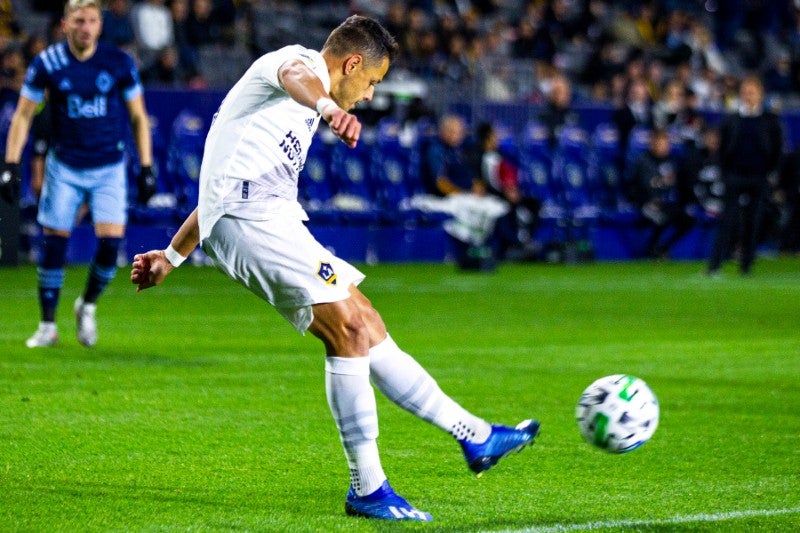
(403, 380)
(352, 402)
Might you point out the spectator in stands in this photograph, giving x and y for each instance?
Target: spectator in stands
(447, 166)
(701, 172)
(455, 65)
(779, 78)
(188, 57)
(201, 27)
(152, 25)
(12, 68)
(165, 71)
(499, 173)
(705, 52)
(637, 110)
(396, 21)
(9, 26)
(671, 107)
(449, 173)
(117, 25)
(558, 112)
(658, 194)
(532, 40)
(751, 146)
(33, 45)
(224, 16)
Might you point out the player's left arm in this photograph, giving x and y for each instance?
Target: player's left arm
(140, 125)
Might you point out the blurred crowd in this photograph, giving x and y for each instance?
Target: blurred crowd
(661, 65)
(506, 50)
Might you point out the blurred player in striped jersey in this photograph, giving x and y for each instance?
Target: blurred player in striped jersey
(93, 89)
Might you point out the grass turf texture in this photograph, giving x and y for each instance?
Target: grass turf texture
(200, 409)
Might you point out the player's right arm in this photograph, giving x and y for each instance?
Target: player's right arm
(150, 268)
(305, 87)
(20, 127)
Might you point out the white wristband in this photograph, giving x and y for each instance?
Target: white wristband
(323, 103)
(175, 259)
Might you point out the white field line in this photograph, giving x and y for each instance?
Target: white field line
(675, 520)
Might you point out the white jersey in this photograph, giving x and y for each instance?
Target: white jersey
(257, 144)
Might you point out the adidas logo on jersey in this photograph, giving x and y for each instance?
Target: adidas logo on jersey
(310, 123)
(65, 85)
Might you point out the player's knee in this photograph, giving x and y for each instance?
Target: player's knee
(353, 333)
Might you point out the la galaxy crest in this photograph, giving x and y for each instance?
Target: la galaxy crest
(325, 273)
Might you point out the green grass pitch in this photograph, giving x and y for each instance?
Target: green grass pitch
(200, 409)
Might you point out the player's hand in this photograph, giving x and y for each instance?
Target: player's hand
(145, 184)
(9, 182)
(343, 124)
(149, 269)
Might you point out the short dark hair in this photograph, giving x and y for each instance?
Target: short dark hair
(362, 35)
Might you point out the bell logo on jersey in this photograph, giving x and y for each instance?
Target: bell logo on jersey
(77, 107)
(326, 273)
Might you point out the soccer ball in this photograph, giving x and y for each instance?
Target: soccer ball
(617, 413)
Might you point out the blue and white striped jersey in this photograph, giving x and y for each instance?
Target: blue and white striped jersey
(89, 117)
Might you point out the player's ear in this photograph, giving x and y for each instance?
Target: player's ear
(351, 63)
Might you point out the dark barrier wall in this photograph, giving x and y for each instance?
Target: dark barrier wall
(9, 234)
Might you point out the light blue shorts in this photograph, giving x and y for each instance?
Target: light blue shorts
(103, 189)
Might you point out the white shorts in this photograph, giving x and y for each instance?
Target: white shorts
(281, 262)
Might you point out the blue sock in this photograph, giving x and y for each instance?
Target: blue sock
(51, 274)
(102, 269)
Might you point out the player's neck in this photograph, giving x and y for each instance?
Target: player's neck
(82, 53)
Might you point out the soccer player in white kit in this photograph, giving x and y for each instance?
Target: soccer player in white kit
(250, 224)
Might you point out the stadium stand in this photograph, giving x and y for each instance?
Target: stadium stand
(489, 62)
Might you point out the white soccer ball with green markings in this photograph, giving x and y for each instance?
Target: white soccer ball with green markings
(617, 413)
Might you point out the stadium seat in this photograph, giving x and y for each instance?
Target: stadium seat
(536, 171)
(397, 173)
(184, 154)
(605, 170)
(570, 171)
(161, 208)
(353, 175)
(638, 142)
(315, 183)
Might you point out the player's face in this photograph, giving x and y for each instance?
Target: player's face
(82, 28)
(359, 85)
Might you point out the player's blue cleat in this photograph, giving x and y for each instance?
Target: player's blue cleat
(502, 441)
(383, 504)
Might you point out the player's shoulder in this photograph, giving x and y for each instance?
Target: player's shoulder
(294, 51)
(53, 57)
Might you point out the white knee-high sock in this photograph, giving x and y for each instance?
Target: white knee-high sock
(403, 380)
(352, 402)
